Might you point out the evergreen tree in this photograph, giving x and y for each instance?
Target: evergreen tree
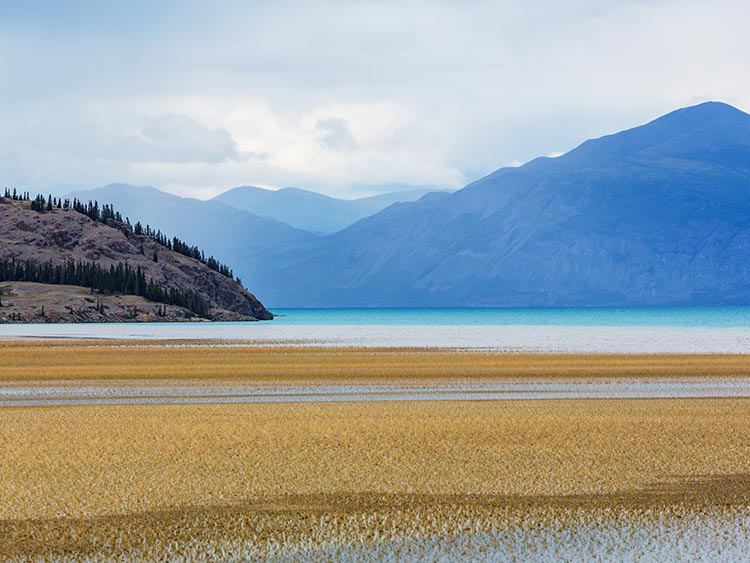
(120, 278)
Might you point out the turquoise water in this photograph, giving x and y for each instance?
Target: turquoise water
(605, 316)
(724, 330)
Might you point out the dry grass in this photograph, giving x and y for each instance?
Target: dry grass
(322, 482)
(78, 361)
(260, 480)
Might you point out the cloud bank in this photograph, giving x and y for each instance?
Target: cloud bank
(197, 97)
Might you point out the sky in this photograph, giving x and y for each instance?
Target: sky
(347, 98)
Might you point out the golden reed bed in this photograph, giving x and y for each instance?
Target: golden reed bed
(106, 360)
(323, 482)
(180, 481)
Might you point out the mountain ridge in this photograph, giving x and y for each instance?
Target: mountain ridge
(654, 215)
(234, 236)
(313, 211)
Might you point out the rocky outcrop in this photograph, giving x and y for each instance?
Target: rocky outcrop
(62, 235)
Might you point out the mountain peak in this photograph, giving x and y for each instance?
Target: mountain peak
(697, 116)
(691, 132)
(710, 109)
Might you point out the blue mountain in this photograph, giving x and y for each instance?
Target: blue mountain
(313, 211)
(236, 237)
(655, 215)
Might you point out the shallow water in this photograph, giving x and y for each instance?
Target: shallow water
(709, 538)
(714, 535)
(149, 394)
(583, 339)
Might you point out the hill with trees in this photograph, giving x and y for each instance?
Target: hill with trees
(103, 268)
(234, 236)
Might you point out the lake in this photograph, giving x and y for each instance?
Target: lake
(593, 330)
(575, 316)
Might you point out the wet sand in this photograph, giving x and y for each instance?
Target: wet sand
(181, 392)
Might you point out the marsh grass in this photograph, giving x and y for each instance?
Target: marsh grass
(298, 482)
(72, 361)
(399, 481)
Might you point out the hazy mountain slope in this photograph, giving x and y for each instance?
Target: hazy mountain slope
(312, 211)
(656, 215)
(62, 236)
(234, 236)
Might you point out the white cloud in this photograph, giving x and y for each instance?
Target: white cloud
(161, 138)
(330, 94)
(177, 138)
(333, 133)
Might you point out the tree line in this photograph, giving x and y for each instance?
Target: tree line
(15, 195)
(120, 278)
(183, 248)
(106, 212)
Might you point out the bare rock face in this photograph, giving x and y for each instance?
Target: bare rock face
(62, 235)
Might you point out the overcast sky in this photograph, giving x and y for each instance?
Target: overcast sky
(197, 97)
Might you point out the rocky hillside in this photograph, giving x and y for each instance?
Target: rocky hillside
(49, 244)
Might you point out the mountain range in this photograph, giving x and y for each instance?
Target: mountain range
(313, 211)
(655, 215)
(236, 236)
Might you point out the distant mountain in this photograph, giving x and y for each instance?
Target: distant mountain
(76, 265)
(236, 237)
(312, 211)
(656, 215)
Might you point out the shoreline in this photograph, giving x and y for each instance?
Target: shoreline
(522, 338)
